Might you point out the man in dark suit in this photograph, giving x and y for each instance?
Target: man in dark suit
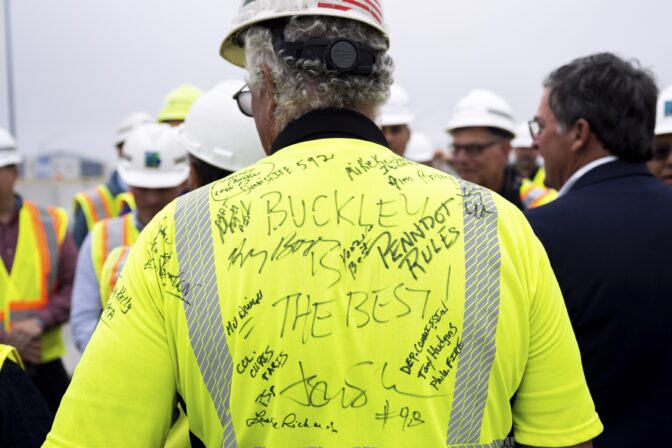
(607, 236)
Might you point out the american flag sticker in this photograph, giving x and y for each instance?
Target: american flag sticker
(371, 8)
(668, 108)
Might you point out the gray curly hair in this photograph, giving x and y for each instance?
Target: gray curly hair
(306, 85)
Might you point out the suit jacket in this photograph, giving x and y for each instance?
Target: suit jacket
(609, 240)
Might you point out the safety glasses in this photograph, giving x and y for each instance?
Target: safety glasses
(244, 99)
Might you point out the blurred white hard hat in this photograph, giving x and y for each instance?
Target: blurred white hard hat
(664, 112)
(420, 148)
(152, 157)
(9, 154)
(129, 123)
(523, 138)
(482, 108)
(397, 110)
(252, 12)
(216, 132)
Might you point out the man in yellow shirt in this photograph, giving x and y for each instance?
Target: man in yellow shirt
(333, 294)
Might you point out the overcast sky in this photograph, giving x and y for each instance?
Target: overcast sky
(81, 65)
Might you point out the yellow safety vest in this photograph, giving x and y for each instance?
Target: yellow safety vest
(33, 277)
(9, 352)
(110, 272)
(125, 203)
(534, 193)
(109, 234)
(334, 295)
(100, 203)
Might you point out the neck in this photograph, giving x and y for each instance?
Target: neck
(144, 218)
(497, 184)
(7, 206)
(584, 158)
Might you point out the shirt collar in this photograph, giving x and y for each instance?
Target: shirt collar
(583, 171)
(329, 123)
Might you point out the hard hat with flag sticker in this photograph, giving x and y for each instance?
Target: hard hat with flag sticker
(664, 112)
(252, 12)
(9, 155)
(216, 132)
(152, 157)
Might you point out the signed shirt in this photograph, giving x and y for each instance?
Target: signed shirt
(334, 295)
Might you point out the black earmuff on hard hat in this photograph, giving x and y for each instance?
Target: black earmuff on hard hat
(341, 54)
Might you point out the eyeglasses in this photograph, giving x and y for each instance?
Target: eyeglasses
(473, 149)
(662, 151)
(535, 128)
(244, 99)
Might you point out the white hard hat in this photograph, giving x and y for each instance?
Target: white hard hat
(664, 115)
(129, 123)
(152, 157)
(523, 138)
(9, 155)
(252, 12)
(420, 148)
(482, 108)
(397, 110)
(216, 132)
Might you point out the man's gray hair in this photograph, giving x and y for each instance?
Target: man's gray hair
(305, 85)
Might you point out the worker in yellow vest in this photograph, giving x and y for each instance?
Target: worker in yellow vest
(156, 168)
(220, 141)
(177, 103)
(533, 192)
(334, 293)
(37, 264)
(112, 198)
(25, 418)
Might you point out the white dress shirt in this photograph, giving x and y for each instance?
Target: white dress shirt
(583, 171)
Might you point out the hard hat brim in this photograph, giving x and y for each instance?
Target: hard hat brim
(396, 119)
(11, 160)
(664, 129)
(479, 122)
(142, 179)
(235, 54)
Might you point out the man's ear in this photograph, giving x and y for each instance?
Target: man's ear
(580, 134)
(506, 150)
(269, 87)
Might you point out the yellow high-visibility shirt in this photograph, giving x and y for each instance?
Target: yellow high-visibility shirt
(334, 295)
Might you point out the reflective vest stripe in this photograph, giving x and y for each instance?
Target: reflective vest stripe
(481, 313)
(97, 204)
(48, 247)
(113, 233)
(194, 247)
(106, 200)
(109, 279)
(50, 225)
(506, 443)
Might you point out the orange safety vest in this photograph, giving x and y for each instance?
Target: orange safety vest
(109, 234)
(111, 270)
(99, 204)
(534, 193)
(28, 287)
